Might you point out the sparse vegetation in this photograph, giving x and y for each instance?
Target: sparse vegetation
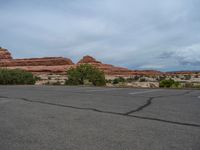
(119, 80)
(108, 81)
(56, 83)
(161, 78)
(192, 85)
(169, 84)
(85, 73)
(38, 78)
(142, 79)
(187, 77)
(16, 77)
(132, 79)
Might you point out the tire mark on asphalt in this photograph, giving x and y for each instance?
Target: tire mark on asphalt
(142, 92)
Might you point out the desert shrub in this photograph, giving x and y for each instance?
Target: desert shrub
(56, 83)
(188, 85)
(16, 76)
(118, 80)
(169, 84)
(187, 77)
(85, 72)
(121, 79)
(135, 78)
(142, 80)
(115, 81)
(130, 80)
(192, 85)
(38, 78)
(161, 78)
(196, 86)
(109, 81)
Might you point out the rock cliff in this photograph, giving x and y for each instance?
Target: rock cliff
(59, 65)
(113, 70)
(35, 65)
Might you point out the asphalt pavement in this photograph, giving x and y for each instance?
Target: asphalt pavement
(89, 118)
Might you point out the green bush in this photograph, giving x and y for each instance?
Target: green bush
(83, 73)
(57, 83)
(192, 85)
(142, 80)
(109, 81)
(15, 77)
(115, 81)
(118, 80)
(187, 77)
(132, 79)
(161, 78)
(169, 84)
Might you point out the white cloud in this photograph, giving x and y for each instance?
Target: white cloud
(189, 55)
(128, 33)
(152, 66)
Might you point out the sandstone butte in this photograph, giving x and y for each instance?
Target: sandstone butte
(59, 65)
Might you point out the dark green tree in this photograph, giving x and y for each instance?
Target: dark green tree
(85, 72)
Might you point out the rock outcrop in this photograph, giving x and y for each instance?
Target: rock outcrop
(46, 61)
(113, 70)
(35, 65)
(5, 54)
(59, 65)
(89, 59)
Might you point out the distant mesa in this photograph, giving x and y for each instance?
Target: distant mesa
(59, 65)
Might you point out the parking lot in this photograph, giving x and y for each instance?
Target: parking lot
(89, 118)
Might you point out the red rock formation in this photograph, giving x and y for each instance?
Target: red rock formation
(60, 65)
(47, 61)
(88, 59)
(35, 65)
(5, 54)
(61, 69)
(113, 70)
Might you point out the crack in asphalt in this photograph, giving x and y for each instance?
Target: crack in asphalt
(149, 102)
(128, 114)
(61, 105)
(166, 121)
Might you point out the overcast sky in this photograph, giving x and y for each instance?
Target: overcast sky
(138, 34)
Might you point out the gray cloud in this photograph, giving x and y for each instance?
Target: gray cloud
(131, 33)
